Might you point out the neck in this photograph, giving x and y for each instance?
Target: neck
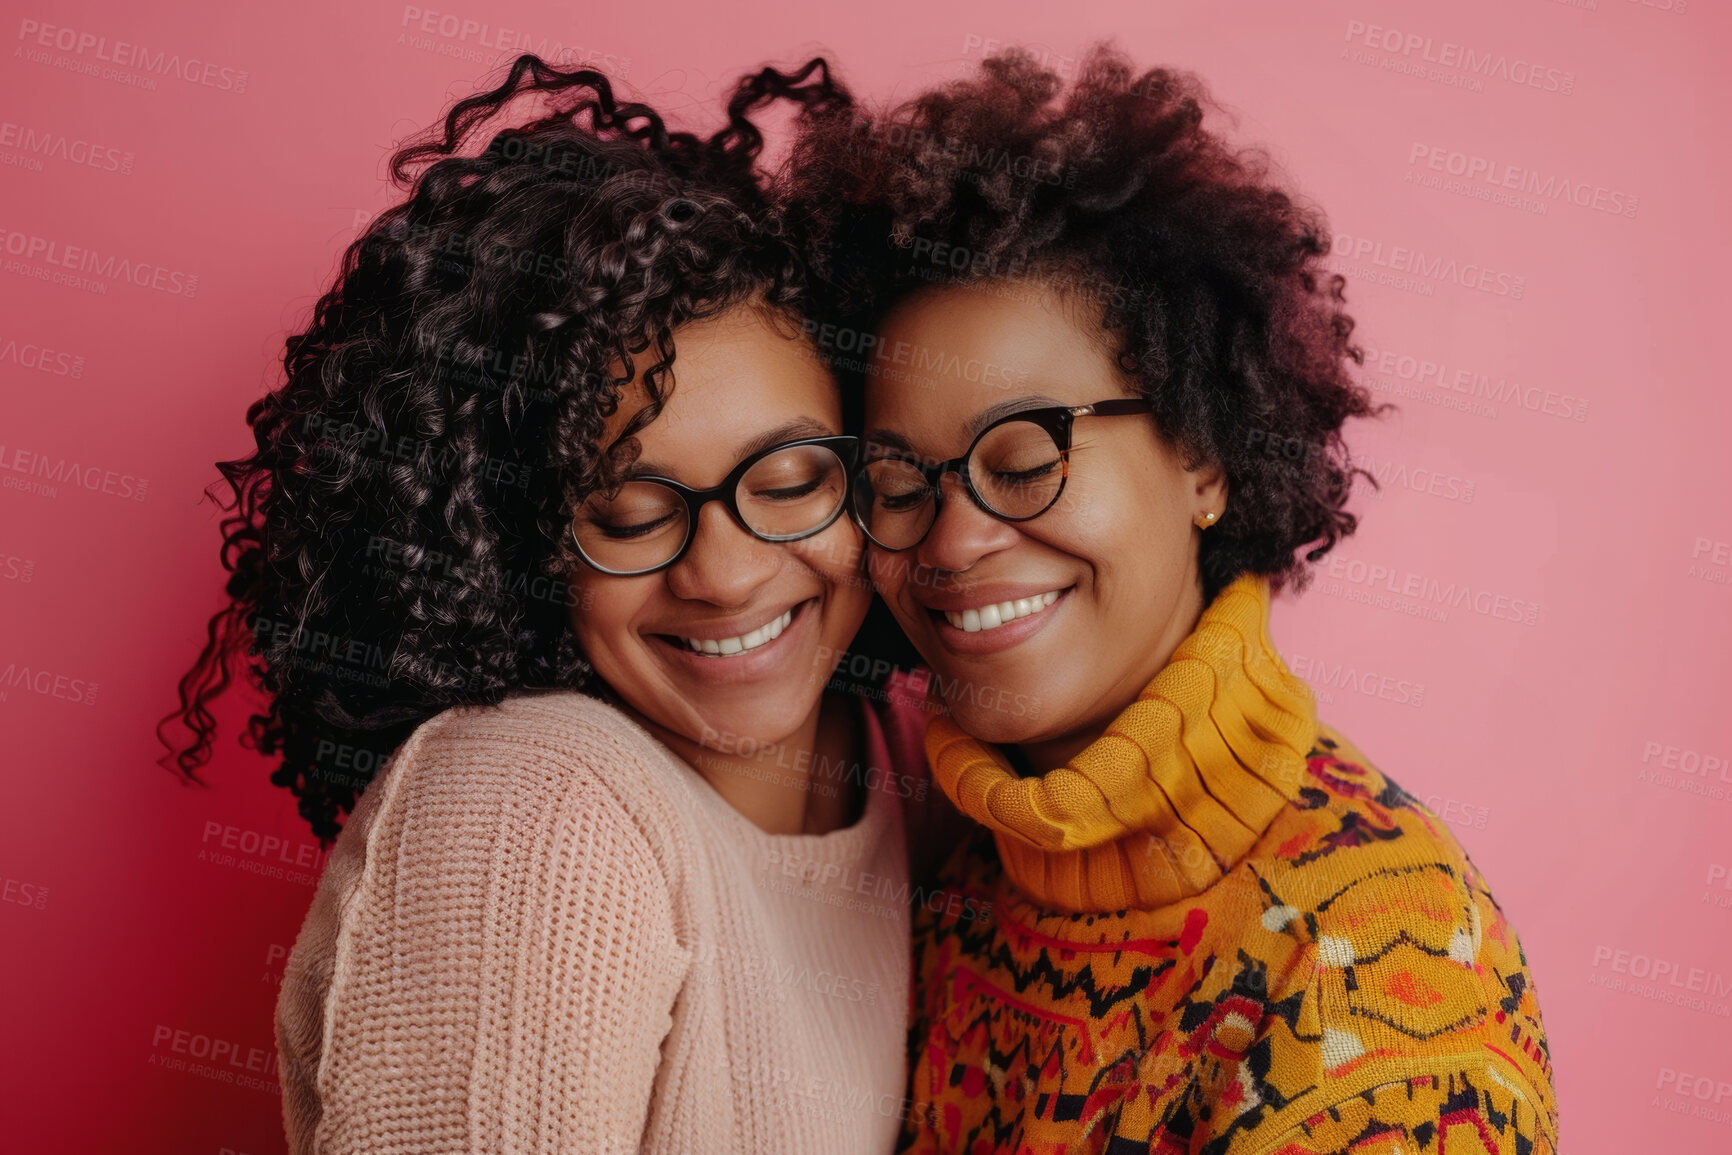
(781, 787)
(1173, 790)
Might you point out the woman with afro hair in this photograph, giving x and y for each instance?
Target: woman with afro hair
(555, 617)
(1105, 377)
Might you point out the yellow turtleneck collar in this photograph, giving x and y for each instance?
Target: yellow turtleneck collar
(1176, 790)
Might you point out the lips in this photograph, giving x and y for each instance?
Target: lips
(996, 614)
(991, 619)
(742, 643)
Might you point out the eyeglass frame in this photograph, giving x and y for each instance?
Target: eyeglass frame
(845, 446)
(1058, 420)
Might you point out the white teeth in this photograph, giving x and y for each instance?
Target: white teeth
(991, 617)
(745, 643)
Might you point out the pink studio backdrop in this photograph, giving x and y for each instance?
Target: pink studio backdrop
(1530, 631)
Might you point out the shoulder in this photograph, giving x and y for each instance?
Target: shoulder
(564, 726)
(1348, 818)
(538, 768)
(1357, 855)
(545, 741)
(1416, 973)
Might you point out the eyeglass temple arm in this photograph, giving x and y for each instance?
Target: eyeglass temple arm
(1111, 408)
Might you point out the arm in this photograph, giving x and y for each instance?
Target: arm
(1471, 1110)
(504, 965)
(1436, 1044)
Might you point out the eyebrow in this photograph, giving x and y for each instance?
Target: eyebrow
(795, 430)
(891, 439)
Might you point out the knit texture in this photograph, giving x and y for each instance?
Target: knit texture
(542, 931)
(1301, 958)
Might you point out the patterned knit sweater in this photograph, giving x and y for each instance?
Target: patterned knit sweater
(1219, 929)
(542, 931)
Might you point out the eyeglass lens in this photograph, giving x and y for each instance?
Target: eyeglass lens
(784, 495)
(1015, 468)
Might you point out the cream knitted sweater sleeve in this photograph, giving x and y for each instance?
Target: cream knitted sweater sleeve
(500, 951)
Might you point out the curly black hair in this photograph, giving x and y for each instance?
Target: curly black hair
(396, 540)
(1208, 275)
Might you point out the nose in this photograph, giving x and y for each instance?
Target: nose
(724, 565)
(964, 533)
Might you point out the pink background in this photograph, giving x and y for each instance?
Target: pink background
(1565, 464)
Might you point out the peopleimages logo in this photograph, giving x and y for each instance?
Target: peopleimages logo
(1399, 475)
(467, 39)
(81, 259)
(1346, 676)
(61, 472)
(1419, 595)
(29, 355)
(89, 47)
(1485, 64)
(1499, 176)
(38, 143)
(1426, 372)
(1423, 271)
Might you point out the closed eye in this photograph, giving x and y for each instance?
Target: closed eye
(639, 529)
(1024, 476)
(790, 492)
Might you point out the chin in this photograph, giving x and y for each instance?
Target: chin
(998, 725)
(734, 723)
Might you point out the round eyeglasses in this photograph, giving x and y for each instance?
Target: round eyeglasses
(1015, 470)
(783, 493)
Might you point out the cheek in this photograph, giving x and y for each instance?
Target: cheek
(603, 614)
(889, 576)
(834, 557)
(1122, 520)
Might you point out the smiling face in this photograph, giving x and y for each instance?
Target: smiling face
(734, 642)
(1100, 588)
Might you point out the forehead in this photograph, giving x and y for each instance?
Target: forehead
(742, 370)
(946, 353)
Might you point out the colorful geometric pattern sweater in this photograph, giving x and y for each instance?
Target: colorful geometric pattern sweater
(1218, 929)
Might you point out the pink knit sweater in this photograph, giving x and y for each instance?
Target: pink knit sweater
(540, 930)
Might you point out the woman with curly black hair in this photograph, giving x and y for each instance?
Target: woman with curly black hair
(582, 603)
(1106, 374)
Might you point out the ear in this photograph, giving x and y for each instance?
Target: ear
(1208, 491)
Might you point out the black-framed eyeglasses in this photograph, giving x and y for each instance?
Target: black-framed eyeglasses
(783, 493)
(1015, 470)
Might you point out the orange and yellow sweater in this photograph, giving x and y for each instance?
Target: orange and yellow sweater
(1217, 930)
